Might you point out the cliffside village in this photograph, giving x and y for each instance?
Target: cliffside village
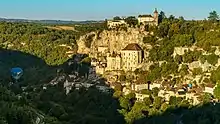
(112, 65)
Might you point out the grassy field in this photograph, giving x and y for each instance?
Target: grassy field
(61, 28)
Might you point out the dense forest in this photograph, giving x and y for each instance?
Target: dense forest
(36, 48)
(43, 42)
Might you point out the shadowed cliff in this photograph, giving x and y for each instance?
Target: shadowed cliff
(79, 106)
(83, 106)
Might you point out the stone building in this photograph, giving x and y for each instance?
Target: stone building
(131, 57)
(139, 87)
(114, 62)
(209, 88)
(128, 59)
(116, 23)
(148, 19)
(103, 49)
(140, 97)
(100, 68)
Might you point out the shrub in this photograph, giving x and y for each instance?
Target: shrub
(197, 71)
(212, 59)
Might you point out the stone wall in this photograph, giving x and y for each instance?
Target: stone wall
(116, 40)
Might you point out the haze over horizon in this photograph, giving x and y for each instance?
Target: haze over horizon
(101, 9)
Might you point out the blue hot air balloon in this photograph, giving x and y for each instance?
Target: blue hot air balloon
(16, 73)
(190, 85)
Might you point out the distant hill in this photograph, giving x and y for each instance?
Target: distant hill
(50, 21)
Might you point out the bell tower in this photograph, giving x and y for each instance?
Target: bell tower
(156, 16)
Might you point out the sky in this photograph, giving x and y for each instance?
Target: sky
(79, 10)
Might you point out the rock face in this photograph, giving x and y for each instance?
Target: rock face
(81, 43)
(116, 40)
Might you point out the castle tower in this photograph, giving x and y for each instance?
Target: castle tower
(156, 16)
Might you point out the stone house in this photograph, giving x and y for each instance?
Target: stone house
(154, 85)
(103, 49)
(190, 95)
(128, 59)
(100, 69)
(116, 23)
(209, 88)
(195, 99)
(148, 19)
(114, 62)
(161, 93)
(197, 64)
(94, 62)
(166, 94)
(139, 87)
(140, 97)
(126, 90)
(180, 51)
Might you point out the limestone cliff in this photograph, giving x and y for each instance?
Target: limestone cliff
(116, 40)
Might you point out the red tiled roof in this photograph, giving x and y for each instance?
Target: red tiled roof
(133, 46)
(210, 85)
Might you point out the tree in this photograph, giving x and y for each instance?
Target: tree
(164, 107)
(197, 71)
(175, 100)
(117, 18)
(148, 101)
(86, 61)
(149, 39)
(161, 16)
(131, 21)
(155, 91)
(181, 18)
(183, 40)
(217, 91)
(213, 16)
(184, 104)
(157, 102)
(212, 58)
(206, 97)
(145, 91)
(130, 95)
(138, 111)
(171, 17)
(122, 78)
(118, 87)
(178, 59)
(162, 30)
(124, 103)
(215, 75)
(117, 94)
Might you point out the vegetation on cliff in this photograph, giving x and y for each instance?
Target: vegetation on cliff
(42, 55)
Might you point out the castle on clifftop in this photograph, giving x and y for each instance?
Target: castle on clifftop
(146, 19)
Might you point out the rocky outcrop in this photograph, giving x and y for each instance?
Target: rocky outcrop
(82, 48)
(116, 40)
